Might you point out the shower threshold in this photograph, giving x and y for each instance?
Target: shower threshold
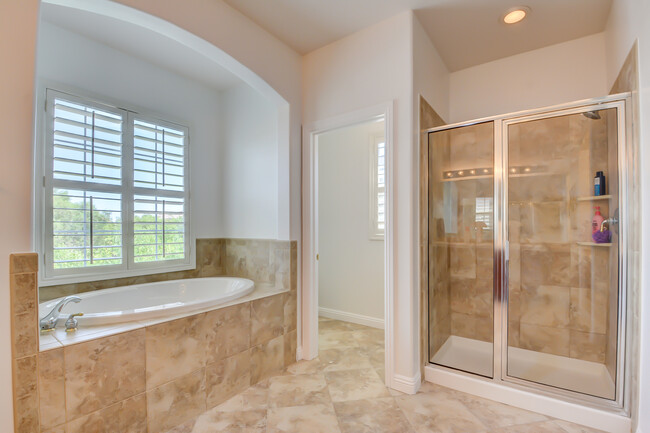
(475, 356)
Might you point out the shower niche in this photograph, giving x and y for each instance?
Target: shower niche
(520, 291)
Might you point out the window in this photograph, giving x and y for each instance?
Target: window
(377, 187)
(115, 191)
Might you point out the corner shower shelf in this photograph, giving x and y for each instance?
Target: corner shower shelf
(593, 244)
(594, 197)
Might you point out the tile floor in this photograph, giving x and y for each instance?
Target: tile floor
(342, 391)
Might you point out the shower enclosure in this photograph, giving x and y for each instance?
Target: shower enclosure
(521, 290)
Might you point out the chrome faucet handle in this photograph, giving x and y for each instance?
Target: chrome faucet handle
(72, 324)
(48, 322)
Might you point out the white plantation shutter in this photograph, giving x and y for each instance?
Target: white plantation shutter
(159, 212)
(377, 212)
(84, 175)
(116, 195)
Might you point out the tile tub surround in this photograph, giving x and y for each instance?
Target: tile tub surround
(341, 392)
(266, 262)
(146, 377)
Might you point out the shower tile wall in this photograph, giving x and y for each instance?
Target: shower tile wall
(559, 291)
(460, 248)
(429, 118)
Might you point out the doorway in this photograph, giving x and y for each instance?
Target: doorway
(346, 238)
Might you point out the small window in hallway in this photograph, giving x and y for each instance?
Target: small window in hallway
(377, 187)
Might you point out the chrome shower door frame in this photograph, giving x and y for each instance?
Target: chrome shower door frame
(501, 251)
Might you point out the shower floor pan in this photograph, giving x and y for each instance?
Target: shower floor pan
(475, 356)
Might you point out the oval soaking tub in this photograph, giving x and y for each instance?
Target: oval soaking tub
(151, 300)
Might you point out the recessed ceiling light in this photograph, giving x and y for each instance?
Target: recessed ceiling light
(515, 15)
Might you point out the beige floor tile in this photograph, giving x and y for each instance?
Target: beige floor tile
(338, 325)
(306, 367)
(254, 398)
(298, 390)
(438, 413)
(338, 339)
(575, 428)
(494, 414)
(380, 415)
(538, 427)
(323, 319)
(319, 418)
(213, 421)
(369, 336)
(349, 358)
(349, 385)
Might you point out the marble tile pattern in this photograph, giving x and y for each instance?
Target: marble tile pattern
(154, 378)
(310, 396)
(428, 118)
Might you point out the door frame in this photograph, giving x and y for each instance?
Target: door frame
(308, 320)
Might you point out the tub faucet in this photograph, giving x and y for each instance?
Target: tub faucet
(48, 322)
(609, 222)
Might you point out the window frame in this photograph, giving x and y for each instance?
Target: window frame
(374, 232)
(44, 199)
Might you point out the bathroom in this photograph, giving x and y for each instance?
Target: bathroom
(255, 98)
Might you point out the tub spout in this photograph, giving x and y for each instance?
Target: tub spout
(48, 322)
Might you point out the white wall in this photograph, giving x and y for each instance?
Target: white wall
(18, 23)
(351, 265)
(261, 59)
(560, 73)
(71, 62)
(248, 160)
(430, 75)
(628, 22)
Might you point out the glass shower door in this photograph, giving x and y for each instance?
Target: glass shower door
(461, 233)
(563, 271)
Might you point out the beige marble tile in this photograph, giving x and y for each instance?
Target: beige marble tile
(588, 346)
(210, 257)
(471, 296)
(23, 292)
(570, 427)
(227, 377)
(254, 398)
(127, 416)
(290, 311)
(25, 376)
(174, 349)
(369, 336)
(298, 390)
(330, 325)
(253, 421)
(267, 359)
(59, 429)
(23, 263)
(468, 326)
(346, 385)
(546, 265)
(462, 261)
(267, 319)
(228, 331)
(318, 418)
(101, 372)
(51, 387)
(330, 340)
(381, 415)
(588, 310)
(544, 339)
(494, 414)
(176, 402)
(25, 333)
(545, 305)
(290, 347)
(439, 413)
(350, 358)
(306, 367)
(542, 427)
(26, 414)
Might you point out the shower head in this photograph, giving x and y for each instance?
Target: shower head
(591, 115)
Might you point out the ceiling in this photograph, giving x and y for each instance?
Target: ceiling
(465, 32)
(151, 47)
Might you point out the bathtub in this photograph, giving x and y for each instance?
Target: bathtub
(151, 300)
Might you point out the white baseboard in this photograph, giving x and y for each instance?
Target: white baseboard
(407, 385)
(579, 414)
(351, 317)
